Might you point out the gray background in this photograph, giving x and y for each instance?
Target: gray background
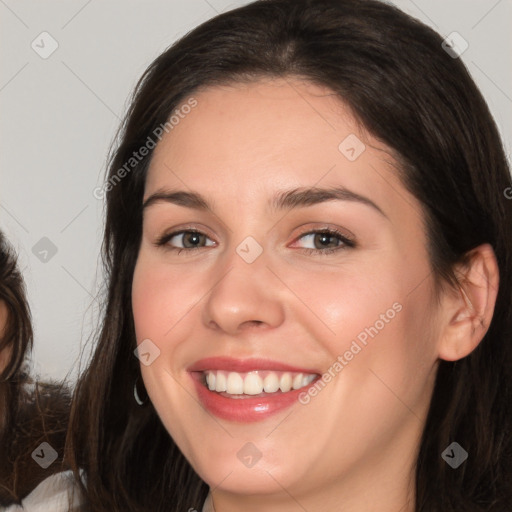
(59, 116)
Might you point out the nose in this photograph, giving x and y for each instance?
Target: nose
(246, 296)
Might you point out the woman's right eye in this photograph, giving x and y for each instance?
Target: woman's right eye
(188, 239)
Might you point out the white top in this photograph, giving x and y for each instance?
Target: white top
(53, 494)
(208, 504)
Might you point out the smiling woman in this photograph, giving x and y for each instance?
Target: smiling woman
(340, 177)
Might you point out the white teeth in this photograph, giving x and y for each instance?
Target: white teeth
(286, 382)
(235, 384)
(271, 383)
(307, 379)
(255, 382)
(297, 381)
(211, 381)
(221, 382)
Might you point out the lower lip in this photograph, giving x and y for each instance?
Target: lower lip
(245, 410)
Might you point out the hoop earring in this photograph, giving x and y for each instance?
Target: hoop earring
(140, 398)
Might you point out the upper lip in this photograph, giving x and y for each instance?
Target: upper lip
(245, 365)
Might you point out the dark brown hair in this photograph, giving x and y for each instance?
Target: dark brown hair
(31, 412)
(393, 73)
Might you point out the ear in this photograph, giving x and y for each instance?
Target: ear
(467, 313)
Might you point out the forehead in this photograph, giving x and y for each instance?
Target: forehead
(251, 139)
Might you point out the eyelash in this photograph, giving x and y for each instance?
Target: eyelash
(347, 242)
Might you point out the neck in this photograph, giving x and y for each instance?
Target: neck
(340, 497)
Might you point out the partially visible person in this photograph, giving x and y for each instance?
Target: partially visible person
(31, 412)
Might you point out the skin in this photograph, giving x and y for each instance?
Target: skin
(355, 443)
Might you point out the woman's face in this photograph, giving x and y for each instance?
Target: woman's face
(258, 290)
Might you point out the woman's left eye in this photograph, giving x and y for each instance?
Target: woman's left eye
(324, 238)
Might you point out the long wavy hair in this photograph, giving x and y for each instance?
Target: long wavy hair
(31, 412)
(403, 87)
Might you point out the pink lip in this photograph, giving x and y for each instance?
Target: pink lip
(244, 365)
(245, 410)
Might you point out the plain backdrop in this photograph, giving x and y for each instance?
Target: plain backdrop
(59, 115)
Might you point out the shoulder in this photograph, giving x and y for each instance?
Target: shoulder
(58, 493)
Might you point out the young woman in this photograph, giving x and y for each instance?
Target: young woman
(309, 267)
(33, 415)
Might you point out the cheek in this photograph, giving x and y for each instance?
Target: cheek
(157, 304)
(381, 323)
(157, 298)
(350, 303)
(395, 370)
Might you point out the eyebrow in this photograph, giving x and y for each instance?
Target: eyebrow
(283, 200)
